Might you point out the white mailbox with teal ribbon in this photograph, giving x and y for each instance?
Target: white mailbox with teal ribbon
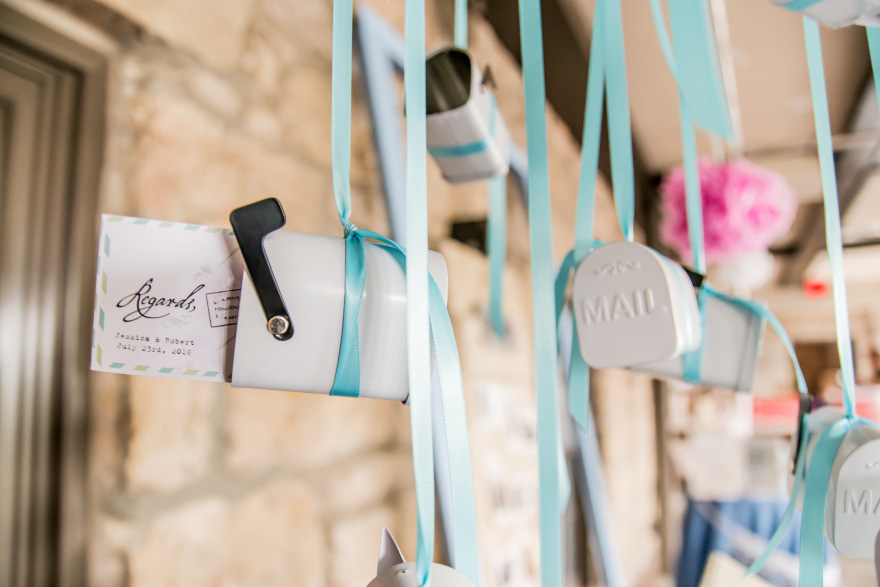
(466, 134)
(852, 513)
(836, 13)
(633, 306)
(733, 333)
(291, 321)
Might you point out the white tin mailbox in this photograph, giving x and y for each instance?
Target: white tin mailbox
(633, 306)
(309, 270)
(466, 134)
(852, 505)
(840, 13)
(732, 340)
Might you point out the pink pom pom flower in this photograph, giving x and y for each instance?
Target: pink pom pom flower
(745, 208)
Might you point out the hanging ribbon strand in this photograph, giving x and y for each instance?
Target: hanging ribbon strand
(833, 241)
(427, 318)
(461, 24)
(417, 334)
(496, 248)
(814, 476)
(540, 230)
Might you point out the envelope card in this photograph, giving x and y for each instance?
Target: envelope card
(167, 298)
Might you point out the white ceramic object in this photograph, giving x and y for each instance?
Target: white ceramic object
(840, 13)
(394, 571)
(852, 510)
(466, 133)
(310, 272)
(732, 340)
(633, 306)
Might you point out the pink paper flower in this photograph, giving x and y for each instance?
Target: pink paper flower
(745, 208)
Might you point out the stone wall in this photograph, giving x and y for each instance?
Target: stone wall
(218, 103)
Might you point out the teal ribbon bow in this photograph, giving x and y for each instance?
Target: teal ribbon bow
(427, 318)
(813, 477)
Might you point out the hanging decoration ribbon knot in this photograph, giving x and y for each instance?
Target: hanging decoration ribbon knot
(427, 317)
(814, 467)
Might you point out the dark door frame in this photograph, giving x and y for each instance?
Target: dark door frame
(67, 62)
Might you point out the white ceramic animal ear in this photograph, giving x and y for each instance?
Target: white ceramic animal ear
(389, 552)
(633, 306)
(838, 13)
(394, 571)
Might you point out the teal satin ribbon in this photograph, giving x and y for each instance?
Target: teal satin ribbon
(465, 553)
(619, 127)
(348, 367)
(541, 247)
(874, 50)
(800, 5)
(700, 76)
(708, 107)
(579, 371)
(692, 361)
(496, 226)
(816, 474)
(427, 317)
(606, 79)
(822, 459)
(496, 249)
(461, 24)
(417, 278)
(833, 240)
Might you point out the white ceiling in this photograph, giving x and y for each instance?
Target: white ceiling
(772, 81)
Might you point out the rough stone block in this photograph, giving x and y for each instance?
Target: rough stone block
(355, 546)
(108, 421)
(271, 536)
(213, 30)
(362, 481)
(304, 431)
(172, 433)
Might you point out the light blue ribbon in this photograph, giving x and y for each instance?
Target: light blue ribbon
(427, 317)
(348, 367)
(496, 248)
(700, 76)
(461, 24)
(817, 472)
(874, 50)
(800, 5)
(619, 127)
(833, 240)
(445, 152)
(465, 546)
(692, 361)
(578, 370)
(541, 246)
(496, 228)
(417, 277)
(606, 77)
